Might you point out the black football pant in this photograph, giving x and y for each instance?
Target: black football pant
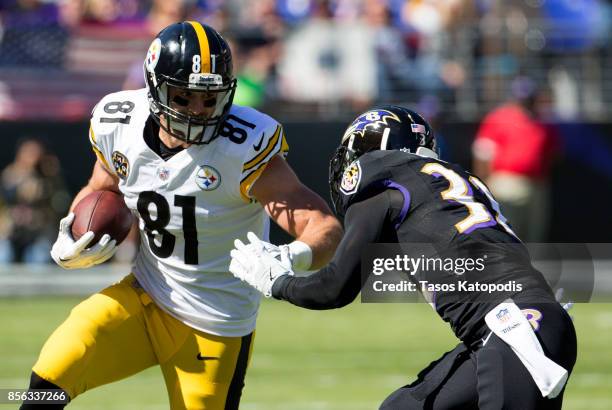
(491, 376)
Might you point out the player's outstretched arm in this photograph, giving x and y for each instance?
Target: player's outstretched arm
(80, 254)
(339, 283)
(265, 267)
(300, 212)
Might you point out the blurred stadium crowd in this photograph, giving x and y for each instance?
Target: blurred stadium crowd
(324, 57)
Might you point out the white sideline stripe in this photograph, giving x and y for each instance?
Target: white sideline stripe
(29, 280)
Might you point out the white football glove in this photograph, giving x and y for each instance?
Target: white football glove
(71, 254)
(259, 263)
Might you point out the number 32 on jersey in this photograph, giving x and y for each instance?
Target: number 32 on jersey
(459, 191)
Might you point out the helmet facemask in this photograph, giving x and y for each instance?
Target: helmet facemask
(170, 107)
(353, 146)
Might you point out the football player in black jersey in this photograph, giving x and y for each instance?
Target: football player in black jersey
(518, 345)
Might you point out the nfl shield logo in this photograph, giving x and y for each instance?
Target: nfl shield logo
(503, 315)
(163, 174)
(208, 178)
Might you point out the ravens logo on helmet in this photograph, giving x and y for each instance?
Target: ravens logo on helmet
(387, 127)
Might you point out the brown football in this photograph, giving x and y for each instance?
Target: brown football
(103, 212)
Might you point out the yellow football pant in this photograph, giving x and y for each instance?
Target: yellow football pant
(120, 331)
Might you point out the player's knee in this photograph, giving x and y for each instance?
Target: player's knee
(38, 383)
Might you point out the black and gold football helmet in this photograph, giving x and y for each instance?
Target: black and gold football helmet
(194, 59)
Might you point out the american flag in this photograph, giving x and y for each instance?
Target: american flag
(418, 128)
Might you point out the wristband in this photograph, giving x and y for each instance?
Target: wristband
(300, 255)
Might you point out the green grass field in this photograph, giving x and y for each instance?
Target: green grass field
(346, 359)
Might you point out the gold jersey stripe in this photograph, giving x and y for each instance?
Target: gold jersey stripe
(96, 150)
(271, 144)
(92, 136)
(284, 146)
(204, 48)
(247, 183)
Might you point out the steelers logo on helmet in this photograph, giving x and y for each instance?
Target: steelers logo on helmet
(369, 119)
(351, 178)
(153, 54)
(208, 178)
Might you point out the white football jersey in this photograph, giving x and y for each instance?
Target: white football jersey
(190, 207)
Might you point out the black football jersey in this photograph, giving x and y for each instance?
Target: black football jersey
(447, 214)
(433, 211)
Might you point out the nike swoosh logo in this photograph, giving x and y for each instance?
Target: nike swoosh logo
(485, 340)
(200, 357)
(258, 146)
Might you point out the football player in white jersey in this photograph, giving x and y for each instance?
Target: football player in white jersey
(198, 172)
